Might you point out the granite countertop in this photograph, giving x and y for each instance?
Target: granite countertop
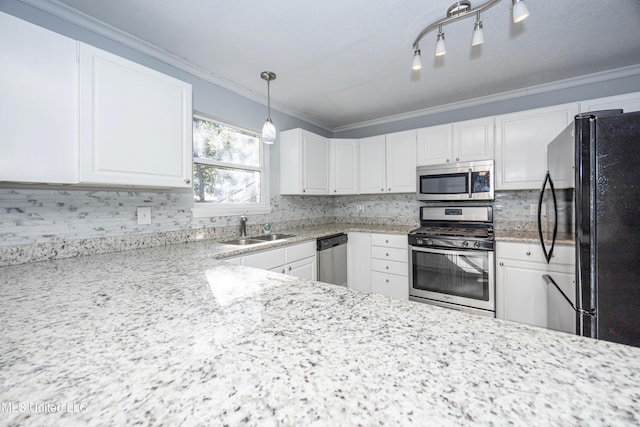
(170, 335)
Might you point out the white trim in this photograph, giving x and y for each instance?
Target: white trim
(204, 210)
(92, 24)
(602, 76)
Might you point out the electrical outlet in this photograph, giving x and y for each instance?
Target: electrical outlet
(360, 208)
(144, 216)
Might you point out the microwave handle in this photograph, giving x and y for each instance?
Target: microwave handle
(469, 178)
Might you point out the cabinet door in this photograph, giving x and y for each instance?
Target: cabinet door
(315, 159)
(344, 166)
(401, 162)
(521, 145)
(628, 102)
(391, 285)
(359, 261)
(38, 104)
(135, 123)
(306, 268)
(372, 165)
(434, 145)
(473, 140)
(266, 260)
(521, 294)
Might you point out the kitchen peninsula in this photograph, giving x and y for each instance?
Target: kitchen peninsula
(169, 335)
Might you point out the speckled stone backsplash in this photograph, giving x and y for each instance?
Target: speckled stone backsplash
(39, 224)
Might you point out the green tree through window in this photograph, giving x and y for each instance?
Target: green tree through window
(227, 164)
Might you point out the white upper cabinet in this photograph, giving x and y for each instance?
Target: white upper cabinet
(343, 167)
(459, 142)
(304, 163)
(372, 165)
(521, 145)
(628, 102)
(38, 104)
(135, 123)
(401, 162)
(388, 163)
(434, 145)
(71, 113)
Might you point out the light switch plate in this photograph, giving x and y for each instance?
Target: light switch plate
(144, 216)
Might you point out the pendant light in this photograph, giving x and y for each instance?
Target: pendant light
(478, 32)
(268, 130)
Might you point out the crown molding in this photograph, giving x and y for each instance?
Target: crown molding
(603, 76)
(94, 25)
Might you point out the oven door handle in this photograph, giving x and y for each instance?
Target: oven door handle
(469, 180)
(446, 251)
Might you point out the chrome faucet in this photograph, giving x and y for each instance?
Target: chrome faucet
(243, 224)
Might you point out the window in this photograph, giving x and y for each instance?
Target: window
(229, 174)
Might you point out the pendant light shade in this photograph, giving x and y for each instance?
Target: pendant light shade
(520, 11)
(441, 48)
(268, 132)
(268, 129)
(478, 34)
(417, 62)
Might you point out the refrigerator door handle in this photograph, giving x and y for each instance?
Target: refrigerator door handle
(549, 254)
(550, 282)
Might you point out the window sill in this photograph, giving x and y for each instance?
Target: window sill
(208, 211)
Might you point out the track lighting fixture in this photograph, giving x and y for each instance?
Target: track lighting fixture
(268, 129)
(457, 11)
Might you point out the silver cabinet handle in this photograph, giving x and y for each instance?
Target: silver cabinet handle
(187, 181)
(389, 188)
(289, 268)
(447, 160)
(382, 189)
(387, 267)
(304, 190)
(283, 271)
(457, 159)
(387, 254)
(528, 253)
(502, 264)
(387, 280)
(335, 191)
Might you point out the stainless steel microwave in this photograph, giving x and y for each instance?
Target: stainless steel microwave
(457, 181)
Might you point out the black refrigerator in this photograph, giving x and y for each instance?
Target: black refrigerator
(592, 190)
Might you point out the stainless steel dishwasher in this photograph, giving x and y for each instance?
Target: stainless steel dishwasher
(332, 259)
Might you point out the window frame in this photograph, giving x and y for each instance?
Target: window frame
(207, 210)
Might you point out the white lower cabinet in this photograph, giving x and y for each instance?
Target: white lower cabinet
(379, 263)
(521, 293)
(296, 260)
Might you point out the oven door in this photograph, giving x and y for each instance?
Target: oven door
(463, 277)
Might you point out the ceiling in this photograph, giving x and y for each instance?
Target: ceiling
(342, 63)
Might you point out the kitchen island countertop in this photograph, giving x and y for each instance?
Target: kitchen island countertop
(170, 335)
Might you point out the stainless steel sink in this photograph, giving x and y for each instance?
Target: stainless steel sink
(254, 240)
(271, 237)
(242, 242)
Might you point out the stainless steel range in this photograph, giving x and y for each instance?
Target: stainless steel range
(453, 260)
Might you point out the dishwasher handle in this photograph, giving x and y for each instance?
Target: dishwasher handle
(331, 241)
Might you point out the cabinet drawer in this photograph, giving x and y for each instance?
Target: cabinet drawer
(265, 260)
(391, 285)
(300, 251)
(393, 267)
(390, 254)
(532, 252)
(400, 241)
